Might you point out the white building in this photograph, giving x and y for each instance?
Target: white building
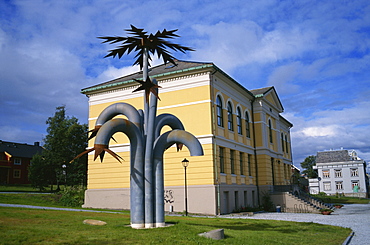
(340, 172)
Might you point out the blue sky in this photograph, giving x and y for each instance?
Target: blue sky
(315, 53)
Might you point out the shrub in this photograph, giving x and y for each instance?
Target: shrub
(267, 204)
(72, 196)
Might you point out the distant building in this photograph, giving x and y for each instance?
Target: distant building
(340, 172)
(15, 159)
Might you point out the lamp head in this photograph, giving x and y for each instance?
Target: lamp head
(185, 162)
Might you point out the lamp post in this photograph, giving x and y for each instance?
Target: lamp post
(65, 175)
(185, 164)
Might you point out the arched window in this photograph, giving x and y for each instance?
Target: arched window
(270, 131)
(239, 120)
(230, 121)
(220, 117)
(247, 127)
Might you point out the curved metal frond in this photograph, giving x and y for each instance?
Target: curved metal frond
(148, 86)
(99, 151)
(140, 40)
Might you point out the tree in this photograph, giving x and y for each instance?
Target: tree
(65, 138)
(38, 172)
(308, 164)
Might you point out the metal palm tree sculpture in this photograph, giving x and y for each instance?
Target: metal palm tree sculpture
(143, 128)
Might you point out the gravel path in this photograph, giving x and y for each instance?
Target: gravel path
(354, 216)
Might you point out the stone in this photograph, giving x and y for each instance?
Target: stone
(214, 234)
(94, 222)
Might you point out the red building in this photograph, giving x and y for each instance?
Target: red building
(15, 159)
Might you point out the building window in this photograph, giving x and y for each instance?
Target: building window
(239, 120)
(327, 186)
(230, 121)
(245, 199)
(339, 185)
(338, 173)
(273, 170)
(220, 117)
(282, 142)
(232, 161)
(286, 144)
(354, 183)
(17, 161)
(222, 160)
(16, 173)
(249, 164)
(326, 174)
(241, 162)
(236, 196)
(354, 172)
(270, 131)
(247, 126)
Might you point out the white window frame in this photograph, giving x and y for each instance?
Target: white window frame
(338, 173)
(354, 172)
(327, 186)
(339, 185)
(17, 161)
(326, 174)
(17, 176)
(355, 183)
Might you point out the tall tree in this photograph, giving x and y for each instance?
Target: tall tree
(308, 164)
(66, 137)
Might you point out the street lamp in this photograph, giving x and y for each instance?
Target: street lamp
(65, 174)
(185, 164)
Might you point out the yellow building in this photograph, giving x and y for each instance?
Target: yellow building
(246, 141)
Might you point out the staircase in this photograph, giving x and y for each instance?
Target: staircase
(297, 203)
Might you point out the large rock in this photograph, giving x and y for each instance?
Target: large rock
(94, 222)
(214, 234)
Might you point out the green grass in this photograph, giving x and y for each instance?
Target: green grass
(32, 226)
(24, 188)
(342, 200)
(49, 200)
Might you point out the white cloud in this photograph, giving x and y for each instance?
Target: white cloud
(331, 129)
(328, 131)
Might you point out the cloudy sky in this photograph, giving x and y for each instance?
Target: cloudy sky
(315, 52)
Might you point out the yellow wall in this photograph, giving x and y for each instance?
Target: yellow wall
(192, 107)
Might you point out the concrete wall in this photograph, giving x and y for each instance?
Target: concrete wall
(292, 204)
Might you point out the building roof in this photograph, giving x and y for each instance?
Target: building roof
(20, 150)
(261, 91)
(160, 71)
(333, 156)
(155, 72)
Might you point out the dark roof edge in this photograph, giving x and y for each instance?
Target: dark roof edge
(205, 65)
(154, 76)
(232, 79)
(286, 120)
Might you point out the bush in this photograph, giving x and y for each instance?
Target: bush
(267, 203)
(72, 196)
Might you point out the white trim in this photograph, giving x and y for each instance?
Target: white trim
(116, 95)
(184, 104)
(171, 106)
(203, 139)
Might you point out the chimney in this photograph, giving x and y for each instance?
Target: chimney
(36, 143)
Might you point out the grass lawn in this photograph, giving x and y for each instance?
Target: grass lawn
(343, 200)
(33, 226)
(24, 188)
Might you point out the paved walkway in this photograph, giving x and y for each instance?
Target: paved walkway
(354, 216)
